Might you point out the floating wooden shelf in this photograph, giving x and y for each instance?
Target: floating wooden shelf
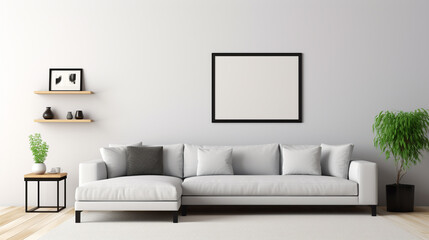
(63, 120)
(63, 92)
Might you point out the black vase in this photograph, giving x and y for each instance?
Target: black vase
(48, 114)
(79, 114)
(69, 116)
(400, 198)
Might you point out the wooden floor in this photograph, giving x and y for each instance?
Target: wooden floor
(416, 222)
(16, 224)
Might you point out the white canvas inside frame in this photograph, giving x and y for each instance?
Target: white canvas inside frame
(65, 84)
(257, 87)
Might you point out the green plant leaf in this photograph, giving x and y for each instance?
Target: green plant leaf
(403, 136)
(38, 148)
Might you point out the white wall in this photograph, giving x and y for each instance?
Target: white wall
(148, 63)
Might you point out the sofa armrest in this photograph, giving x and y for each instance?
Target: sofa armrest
(92, 171)
(365, 174)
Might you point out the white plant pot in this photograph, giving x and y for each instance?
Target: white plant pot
(38, 168)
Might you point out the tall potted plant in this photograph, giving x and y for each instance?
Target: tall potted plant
(40, 151)
(402, 136)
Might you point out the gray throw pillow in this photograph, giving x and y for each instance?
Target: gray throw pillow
(246, 160)
(336, 160)
(115, 157)
(301, 159)
(173, 159)
(144, 161)
(214, 161)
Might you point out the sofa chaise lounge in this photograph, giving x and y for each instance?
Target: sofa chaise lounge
(257, 180)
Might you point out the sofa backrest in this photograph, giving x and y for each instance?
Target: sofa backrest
(246, 160)
(173, 160)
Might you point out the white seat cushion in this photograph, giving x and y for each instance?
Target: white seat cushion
(131, 188)
(263, 185)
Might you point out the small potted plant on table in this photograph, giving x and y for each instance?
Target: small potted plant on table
(40, 151)
(402, 136)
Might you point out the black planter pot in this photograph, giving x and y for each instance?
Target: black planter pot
(400, 198)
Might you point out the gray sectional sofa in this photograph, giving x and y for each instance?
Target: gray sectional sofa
(257, 179)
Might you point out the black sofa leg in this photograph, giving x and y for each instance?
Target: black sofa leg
(77, 216)
(184, 210)
(373, 210)
(175, 217)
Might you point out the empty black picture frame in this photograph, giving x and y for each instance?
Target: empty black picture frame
(77, 86)
(297, 119)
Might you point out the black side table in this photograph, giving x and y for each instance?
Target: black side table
(45, 177)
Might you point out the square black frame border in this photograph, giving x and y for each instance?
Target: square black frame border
(66, 69)
(299, 120)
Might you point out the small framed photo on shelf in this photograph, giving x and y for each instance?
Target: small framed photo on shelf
(65, 79)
